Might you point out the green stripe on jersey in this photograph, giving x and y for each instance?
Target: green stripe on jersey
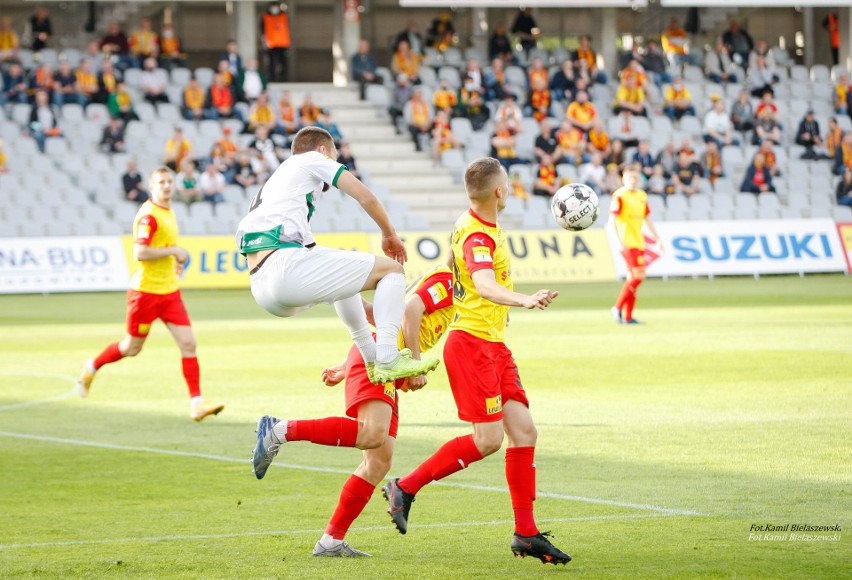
(268, 240)
(337, 176)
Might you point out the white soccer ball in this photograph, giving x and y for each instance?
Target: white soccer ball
(575, 206)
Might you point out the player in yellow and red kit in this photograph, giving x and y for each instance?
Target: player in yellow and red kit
(372, 410)
(483, 376)
(154, 293)
(630, 211)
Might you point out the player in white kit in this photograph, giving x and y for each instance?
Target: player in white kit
(290, 273)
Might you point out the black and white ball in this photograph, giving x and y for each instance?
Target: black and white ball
(575, 206)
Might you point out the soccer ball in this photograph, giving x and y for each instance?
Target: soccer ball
(575, 206)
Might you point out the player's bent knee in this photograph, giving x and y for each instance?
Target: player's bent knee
(488, 444)
(371, 437)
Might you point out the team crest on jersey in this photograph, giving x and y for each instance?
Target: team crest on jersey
(494, 405)
(437, 292)
(390, 390)
(482, 254)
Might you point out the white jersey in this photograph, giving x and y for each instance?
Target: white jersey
(280, 213)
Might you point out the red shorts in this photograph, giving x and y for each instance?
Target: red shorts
(144, 308)
(483, 375)
(359, 389)
(634, 257)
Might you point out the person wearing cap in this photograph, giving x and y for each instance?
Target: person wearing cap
(718, 126)
(808, 136)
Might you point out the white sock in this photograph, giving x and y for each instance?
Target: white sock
(351, 312)
(327, 542)
(388, 307)
(195, 401)
(279, 431)
(90, 366)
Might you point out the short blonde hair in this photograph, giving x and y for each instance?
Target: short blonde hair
(310, 139)
(482, 177)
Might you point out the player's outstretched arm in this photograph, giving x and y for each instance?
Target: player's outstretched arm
(488, 287)
(391, 244)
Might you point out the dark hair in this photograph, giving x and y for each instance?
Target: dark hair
(310, 139)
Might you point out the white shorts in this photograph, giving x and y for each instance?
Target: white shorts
(294, 279)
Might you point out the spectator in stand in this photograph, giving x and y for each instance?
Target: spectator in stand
(612, 178)
(3, 166)
(536, 70)
(115, 44)
(761, 78)
(251, 82)
(345, 158)
(9, 42)
(526, 29)
(134, 188)
(178, 148)
(287, 114)
(770, 159)
(503, 146)
(444, 99)
(473, 76)
(43, 120)
(402, 93)
(411, 36)
(494, 79)
(212, 183)
(120, 104)
(712, 162)
(108, 80)
(472, 107)
(739, 43)
(843, 156)
(686, 178)
(95, 55)
(87, 82)
(562, 84)
(153, 81)
(443, 138)
(546, 184)
(761, 49)
(15, 84)
(643, 159)
(717, 64)
(406, 62)
(572, 144)
(418, 117)
(831, 23)
(112, 139)
(593, 173)
(224, 153)
(630, 97)
(582, 112)
(194, 101)
(518, 189)
(658, 184)
(438, 29)
(243, 171)
(186, 182)
(271, 152)
(144, 42)
(220, 101)
(757, 178)
(766, 128)
(546, 144)
(509, 113)
(500, 45)
(633, 70)
(718, 126)
(364, 68)
(742, 113)
(40, 29)
(309, 112)
(170, 54)
(598, 139)
(325, 122)
(626, 129)
(667, 159)
(833, 138)
(842, 94)
(43, 78)
(677, 101)
(808, 136)
(261, 114)
(843, 192)
(65, 87)
(538, 102)
(232, 57)
(275, 33)
(616, 155)
(585, 54)
(224, 69)
(676, 45)
(655, 62)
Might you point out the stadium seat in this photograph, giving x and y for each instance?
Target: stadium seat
(691, 126)
(169, 112)
(462, 129)
(790, 213)
(567, 171)
(453, 161)
(180, 76)
(721, 213)
(56, 147)
(204, 75)
(836, 71)
(525, 172)
(516, 76)
(133, 77)
(97, 112)
(453, 57)
(677, 203)
(800, 90)
(842, 213)
(698, 214)
(379, 96)
(768, 213)
(820, 74)
(820, 212)
(799, 74)
(386, 75)
(515, 206)
(746, 202)
(428, 76)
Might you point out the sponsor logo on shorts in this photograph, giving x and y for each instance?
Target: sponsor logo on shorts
(494, 405)
(144, 329)
(482, 254)
(390, 391)
(640, 260)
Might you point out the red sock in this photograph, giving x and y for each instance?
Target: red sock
(631, 302)
(354, 497)
(333, 431)
(109, 355)
(192, 374)
(520, 475)
(453, 456)
(626, 292)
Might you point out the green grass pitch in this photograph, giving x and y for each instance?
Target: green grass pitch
(660, 446)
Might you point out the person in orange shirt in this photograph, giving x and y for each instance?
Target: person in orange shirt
(598, 139)
(537, 72)
(220, 101)
(833, 137)
(418, 116)
(442, 135)
(546, 184)
(572, 143)
(630, 212)
(538, 104)
(170, 54)
(832, 24)
(275, 29)
(445, 99)
(144, 42)
(194, 101)
(843, 155)
(309, 112)
(676, 45)
(287, 114)
(178, 148)
(154, 294)
(581, 112)
(503, 146)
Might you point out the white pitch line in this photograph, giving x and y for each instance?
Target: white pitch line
(70, 393)
(173, 452)
(316, 531)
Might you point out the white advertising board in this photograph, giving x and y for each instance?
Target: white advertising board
(62, 264)
(706, 248)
